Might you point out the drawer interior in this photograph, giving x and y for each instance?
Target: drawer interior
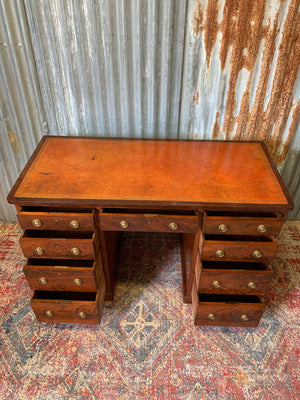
(228, 299)
(64, 296)
(238, 238)
(58, 234)
(56, 209)
(235, 265)
(147, 211)
(242, 214)
(61, 263)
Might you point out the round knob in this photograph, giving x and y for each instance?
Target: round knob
(211, 316)
(262, 228)
(223, 228)
(173, 226)
(43, 281)
(82, 314)
(36, 222)
(216, 284)
(75, 251)
(251, 285)
(220, 253)
(49, 313)
(39, 251)
(123, 224)
(257, 254)
(74, 224)
(77, 282)
(244, 317)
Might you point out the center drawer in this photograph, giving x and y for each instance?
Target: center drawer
(59, 244)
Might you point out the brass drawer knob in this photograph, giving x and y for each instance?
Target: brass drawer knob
(262, 228)
(211, 316)
(77, 282)
(123, 224)
(75, 251)
(251, 285)
(82, 314)
(39, 251)
(43, 281)
(257, 254)
(173, 226)
(36, 222)
(244, 317)
(223, 228)
(220, 253)
(216, 284)
(49, 313)
(74, 224)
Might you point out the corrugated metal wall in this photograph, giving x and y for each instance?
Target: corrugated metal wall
(190, 69)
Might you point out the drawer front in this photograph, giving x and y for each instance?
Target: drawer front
(56, 221)
(68, 307)
(149, 223)
(235, 281)
(58, 247)
(227, 250)
(56, 276)
(242, 225)
(222, 312)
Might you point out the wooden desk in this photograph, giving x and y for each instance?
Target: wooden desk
(76, 195)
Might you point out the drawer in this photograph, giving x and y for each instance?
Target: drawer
(30, 218)
(233, 277)
(69, 307)
(59, 244)
(233, 224)
(149, 223)
(226, 310)
(60, 275)
(217, 247)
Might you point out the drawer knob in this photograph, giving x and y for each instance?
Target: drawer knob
(123, 224)
(251, 285)
(82, 314)
(216, 284)
(75, 251)
(257, 254)
(39, 251)
(173, 226)
(211, 316)
(49, 313)
(77, 282)
(36, 222)
(223, 228)
(43, 281)
(262, 228)
(220, 253)
(244, 317)
(74, 224)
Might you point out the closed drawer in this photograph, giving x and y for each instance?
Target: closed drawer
(149, 223)
(226, 310)
(52, 219)
(69, 307)
(232, 277)
(216, 247)
(59, 244)
(243, 224)
(60, 275)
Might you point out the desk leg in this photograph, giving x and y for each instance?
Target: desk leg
(190, 243)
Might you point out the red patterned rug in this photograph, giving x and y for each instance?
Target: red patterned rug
(146, 346)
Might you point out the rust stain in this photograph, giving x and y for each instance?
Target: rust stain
(197, 18)
(216, 127)
(14, 141)
(196, 98)
(210, 28)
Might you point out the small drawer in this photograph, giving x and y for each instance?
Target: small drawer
(250, 224)
(149, 223)
(226, 310)
(69, 307)
(60, 275)
(232, 277)
(53, 219)
(59, 244)
(248, 248)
